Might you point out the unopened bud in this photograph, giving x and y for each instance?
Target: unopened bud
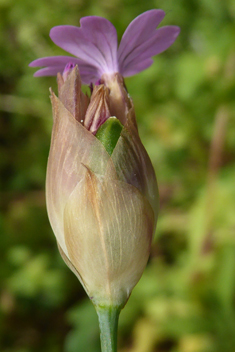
(98, 110)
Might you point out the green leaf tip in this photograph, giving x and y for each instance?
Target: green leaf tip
(109, 133)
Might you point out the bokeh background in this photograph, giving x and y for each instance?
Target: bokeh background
(185, 106)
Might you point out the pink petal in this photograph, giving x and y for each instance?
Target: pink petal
(54, 61)
(163, 38)
(48, 71)
(95, 42)
(138, 31)
(141, 41)
(57, 64)
(103, 35)
(135, 67)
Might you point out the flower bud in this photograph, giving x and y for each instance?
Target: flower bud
(98, 110)
(102, 201)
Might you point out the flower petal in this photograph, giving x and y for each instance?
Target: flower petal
(95, 42)
(138, 31)
(159, 42)
(141, 41)
(103, 35)
(139, 66)
(48, 71)
(51, 61)
(108, 233)
(55, 64)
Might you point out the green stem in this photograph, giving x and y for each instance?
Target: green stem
(108, 322)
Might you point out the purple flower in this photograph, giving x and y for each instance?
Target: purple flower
(96, 50)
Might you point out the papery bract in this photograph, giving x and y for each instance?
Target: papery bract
(102, 208)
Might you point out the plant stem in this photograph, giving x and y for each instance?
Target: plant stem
(108, 322)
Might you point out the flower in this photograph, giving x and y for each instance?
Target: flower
(101, 189)
(96, 50)
(102, 203)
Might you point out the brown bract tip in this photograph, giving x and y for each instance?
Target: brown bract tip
(71, 95)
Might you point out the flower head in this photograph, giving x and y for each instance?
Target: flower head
(96, 50)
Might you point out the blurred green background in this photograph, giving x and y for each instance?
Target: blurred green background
(185, 107)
